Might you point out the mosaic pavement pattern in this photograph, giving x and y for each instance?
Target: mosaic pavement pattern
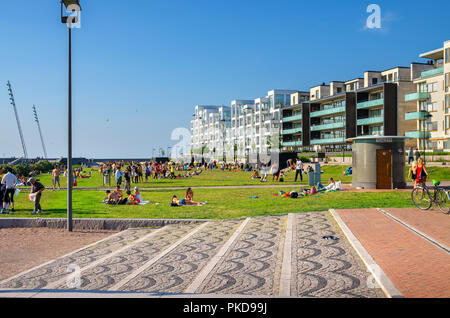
(233, 257)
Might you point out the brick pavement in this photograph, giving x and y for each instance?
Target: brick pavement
(433, 222)
(415, 266)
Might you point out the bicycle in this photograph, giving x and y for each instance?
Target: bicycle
(423, 199)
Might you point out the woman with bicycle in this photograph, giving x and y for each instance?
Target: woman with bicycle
(421, 172)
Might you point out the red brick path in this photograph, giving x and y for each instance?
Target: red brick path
(433, 222)
(416, 267)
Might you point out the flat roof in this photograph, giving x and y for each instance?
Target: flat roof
(434, 55)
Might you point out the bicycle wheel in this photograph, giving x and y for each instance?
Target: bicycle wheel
(443, 201)
(421, 198)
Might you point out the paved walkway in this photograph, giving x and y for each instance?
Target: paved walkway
(272, 256)
(411, 247)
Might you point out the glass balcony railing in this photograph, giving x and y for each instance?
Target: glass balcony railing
(292, 118)
(416, 96)
(330, 111)
(328, 141)
(328, 126)
(292, 143)
(418, 134)
(370, 103)
(370, 121)
(432, 72)
(292, 131)
(417, 115)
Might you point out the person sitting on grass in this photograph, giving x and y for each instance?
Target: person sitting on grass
(255, 175)
(137, 194)
(332, 186)
(132, 199)
(118, 192)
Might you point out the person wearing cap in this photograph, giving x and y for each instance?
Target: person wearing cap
(137, 194)
(36, 188)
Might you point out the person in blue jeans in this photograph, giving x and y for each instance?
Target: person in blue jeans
(118, 176)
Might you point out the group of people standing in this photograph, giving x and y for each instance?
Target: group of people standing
(8, 189)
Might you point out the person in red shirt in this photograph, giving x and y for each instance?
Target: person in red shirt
(421, 173)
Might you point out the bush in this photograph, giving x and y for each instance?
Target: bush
(305, 159)
(23, 169)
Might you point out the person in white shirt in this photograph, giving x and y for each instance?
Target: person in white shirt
(10, 181)
(119, 175)
(299, 170)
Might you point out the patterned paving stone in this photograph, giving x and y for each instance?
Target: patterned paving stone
(171, 259)
(252, 264)
(116, 268)
(54, 271)
(327, 268)
(173, 273)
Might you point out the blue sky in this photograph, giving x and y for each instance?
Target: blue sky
(139, 70)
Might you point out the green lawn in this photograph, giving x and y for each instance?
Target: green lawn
(226, 178)
(222, 204)
(206, 179)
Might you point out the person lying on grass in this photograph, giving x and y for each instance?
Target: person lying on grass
(184, 202)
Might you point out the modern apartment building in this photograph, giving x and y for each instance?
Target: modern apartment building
(369, 105)
(431, 117)
(209, 128)
(409, 101)
(292, 131)
(256, 124)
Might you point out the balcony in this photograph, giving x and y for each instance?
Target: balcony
(370, 103)
(417, 115)
(328, 141)
(416, 96)
(432, 72)
(328, 126)
(292, 118)
(292, 131)
(370, 121)
(418, 134)
(325, 112)
(292, 144)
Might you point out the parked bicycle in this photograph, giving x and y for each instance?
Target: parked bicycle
(424, 197)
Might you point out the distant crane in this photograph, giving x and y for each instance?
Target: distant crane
(36, 119)
(13, 103)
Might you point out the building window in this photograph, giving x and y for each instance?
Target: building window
(447, 55)
(447, 104)
(447, 125)
(423, 87)
(374, 81)
(395, 77)
(339, 89)
(447, 81)
(432, 107)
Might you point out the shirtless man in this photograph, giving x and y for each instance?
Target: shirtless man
(55, 177)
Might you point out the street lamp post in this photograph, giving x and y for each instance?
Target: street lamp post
(70, 5)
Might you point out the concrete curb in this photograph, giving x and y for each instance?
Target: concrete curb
(377, 272)
(92, 224)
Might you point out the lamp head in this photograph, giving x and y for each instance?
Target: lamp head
(70, 3)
